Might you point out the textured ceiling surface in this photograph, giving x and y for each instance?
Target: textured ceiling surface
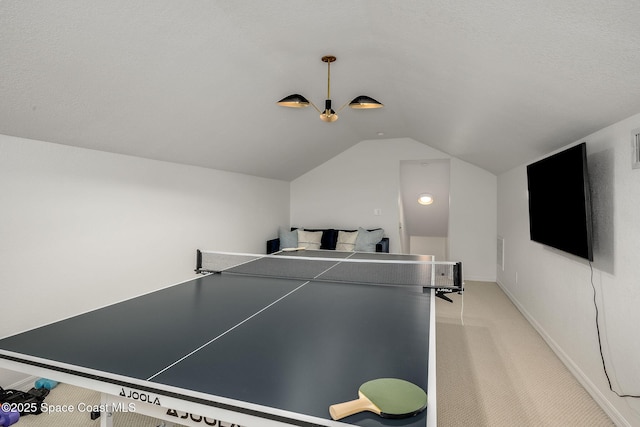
(495, 83)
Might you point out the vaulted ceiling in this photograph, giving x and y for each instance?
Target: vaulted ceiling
(495, 83)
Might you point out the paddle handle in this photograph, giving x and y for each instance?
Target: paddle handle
(344, 409)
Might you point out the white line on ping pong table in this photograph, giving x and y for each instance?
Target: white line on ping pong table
(224, 333)
(337, 261)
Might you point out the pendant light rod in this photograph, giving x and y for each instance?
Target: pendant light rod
(328, 115)
(329, 59)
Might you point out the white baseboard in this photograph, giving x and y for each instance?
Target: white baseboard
(582, 378)
(24, 384)
(479, 278)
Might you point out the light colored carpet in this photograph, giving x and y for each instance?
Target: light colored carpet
(493, 371)
(496, 370)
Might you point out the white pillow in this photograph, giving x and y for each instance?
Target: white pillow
(309, 239)
(346, 241)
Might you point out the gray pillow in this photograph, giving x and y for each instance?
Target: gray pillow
(288, 239)
(366, 240)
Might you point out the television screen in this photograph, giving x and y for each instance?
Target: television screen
(560, 202)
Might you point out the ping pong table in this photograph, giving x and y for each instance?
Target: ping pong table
(250, 349)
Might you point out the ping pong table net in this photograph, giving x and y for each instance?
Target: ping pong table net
(367, 269)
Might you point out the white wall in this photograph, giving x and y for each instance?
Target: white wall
(81, 228)
(554, 290)
(472, 220)
(344, 191)
(436, 246)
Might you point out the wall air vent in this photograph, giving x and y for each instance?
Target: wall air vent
(635, 148)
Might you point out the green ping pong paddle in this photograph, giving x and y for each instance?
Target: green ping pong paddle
(387, 397)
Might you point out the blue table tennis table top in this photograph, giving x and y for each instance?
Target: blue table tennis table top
(270, 349)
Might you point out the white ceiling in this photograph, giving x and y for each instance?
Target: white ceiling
(496, 83)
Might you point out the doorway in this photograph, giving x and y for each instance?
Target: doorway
(424, 227)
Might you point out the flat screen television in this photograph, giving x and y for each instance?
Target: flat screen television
(560, 202)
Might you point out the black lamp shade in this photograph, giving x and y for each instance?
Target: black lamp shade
(294, 101)
(364, 102)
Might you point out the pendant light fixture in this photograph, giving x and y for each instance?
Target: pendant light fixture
(329, 114)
